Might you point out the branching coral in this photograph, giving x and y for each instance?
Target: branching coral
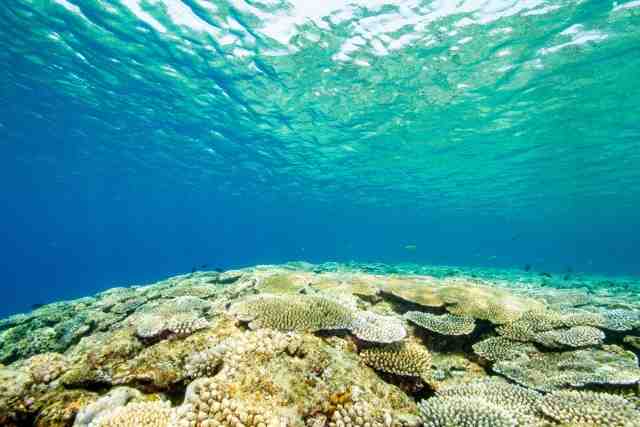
(447, 324)
(208, 404)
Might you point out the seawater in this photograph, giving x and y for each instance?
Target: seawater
(490, 142)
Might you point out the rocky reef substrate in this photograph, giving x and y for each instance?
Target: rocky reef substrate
(330, 345)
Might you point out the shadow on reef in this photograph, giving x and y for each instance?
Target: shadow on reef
(326, 346)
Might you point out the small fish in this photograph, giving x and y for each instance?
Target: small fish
(566, 277)
(36, 306)
(527, 267)
(218, 270)
(545, 274)
(410, 247)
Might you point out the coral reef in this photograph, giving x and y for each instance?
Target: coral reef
(330, 345)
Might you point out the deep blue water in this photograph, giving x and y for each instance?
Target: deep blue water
(116, 173)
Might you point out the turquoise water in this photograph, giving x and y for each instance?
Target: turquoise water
(141, 139)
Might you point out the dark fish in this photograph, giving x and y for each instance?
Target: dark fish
(36, 306)
(566, 277)
(218, 270)
(194, 269)
(545, 274)
(204, 266)
(527, 267)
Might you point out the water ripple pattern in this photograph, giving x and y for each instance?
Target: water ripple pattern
(458, 105)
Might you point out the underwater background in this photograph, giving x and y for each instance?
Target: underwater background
(142, 139)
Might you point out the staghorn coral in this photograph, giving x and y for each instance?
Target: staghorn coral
(577, 336)
(550, 371)
(446, 324)
(136, 414)
(400, 358)
(292, 313)
(500, 348)
(208, 404)
(373, 327)
(589, 409)
(464, 412)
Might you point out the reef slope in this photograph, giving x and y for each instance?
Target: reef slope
(330, 345)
